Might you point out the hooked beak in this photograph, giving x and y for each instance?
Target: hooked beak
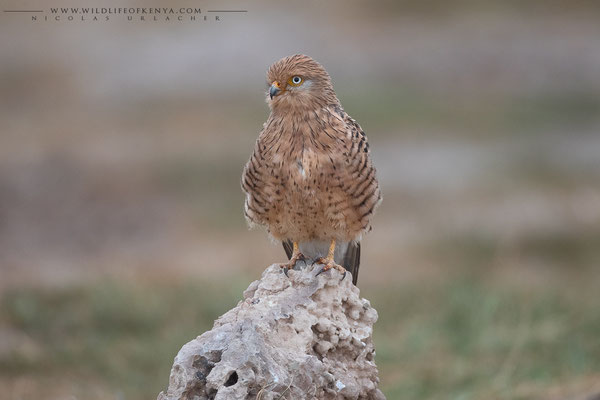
(274, 90)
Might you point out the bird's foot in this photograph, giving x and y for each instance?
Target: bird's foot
(292, 263)
(328, 264)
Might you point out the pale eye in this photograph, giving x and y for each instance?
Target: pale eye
(295, 80)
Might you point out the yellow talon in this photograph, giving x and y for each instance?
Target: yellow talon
(329, 262)
(296, 256)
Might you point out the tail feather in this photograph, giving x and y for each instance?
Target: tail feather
(351, 260)
(288, 246)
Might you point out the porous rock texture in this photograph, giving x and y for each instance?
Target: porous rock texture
(302, 337)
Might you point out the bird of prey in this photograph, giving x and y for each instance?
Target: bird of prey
(310, 180)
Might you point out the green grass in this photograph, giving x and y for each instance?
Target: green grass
(123, 334)
(463, 338)
(467, 340)
(403, 110)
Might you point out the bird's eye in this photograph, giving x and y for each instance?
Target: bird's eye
(295, 80)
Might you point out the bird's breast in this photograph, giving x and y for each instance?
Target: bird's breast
(301, 169)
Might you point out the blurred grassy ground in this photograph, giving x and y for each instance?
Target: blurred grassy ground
(468, 336)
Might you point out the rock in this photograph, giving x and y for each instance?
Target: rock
(302, 337)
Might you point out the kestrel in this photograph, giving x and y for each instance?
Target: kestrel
(310, 180)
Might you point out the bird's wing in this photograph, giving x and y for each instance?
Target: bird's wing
(363, 188)
(254, 183)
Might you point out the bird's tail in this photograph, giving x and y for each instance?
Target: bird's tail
(288, 246)
(350, 259)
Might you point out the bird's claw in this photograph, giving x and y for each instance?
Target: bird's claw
(321, 271)
(292, 263)
(327, 265)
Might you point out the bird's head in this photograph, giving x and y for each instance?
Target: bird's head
(298, 83)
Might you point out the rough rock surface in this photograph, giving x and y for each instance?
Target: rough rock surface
(305, 337)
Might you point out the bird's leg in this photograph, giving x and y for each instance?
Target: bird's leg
(296, 256)
(329, 262)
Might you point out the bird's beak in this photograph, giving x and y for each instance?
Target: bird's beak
(275, 89)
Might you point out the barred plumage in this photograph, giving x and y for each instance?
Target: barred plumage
(310, 179)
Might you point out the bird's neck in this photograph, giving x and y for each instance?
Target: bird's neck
(300, 112)
(300, 131)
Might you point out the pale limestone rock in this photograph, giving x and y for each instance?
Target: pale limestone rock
(305, 337)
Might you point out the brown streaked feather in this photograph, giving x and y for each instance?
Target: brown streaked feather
(364, 189)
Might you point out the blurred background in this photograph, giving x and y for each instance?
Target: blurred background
(121, 227)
